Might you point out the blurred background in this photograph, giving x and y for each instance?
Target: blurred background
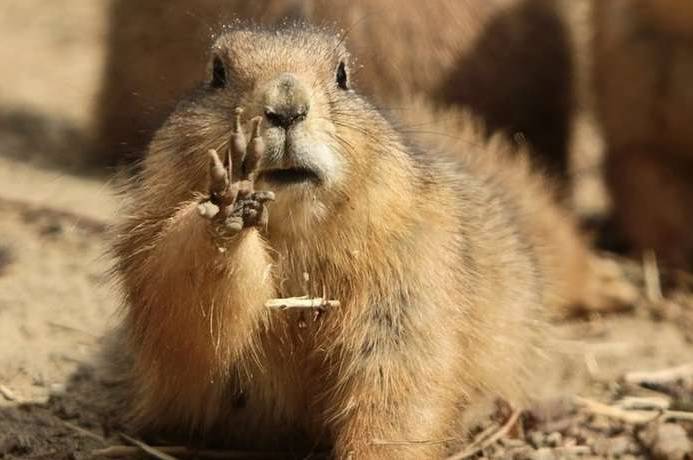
(601, 90)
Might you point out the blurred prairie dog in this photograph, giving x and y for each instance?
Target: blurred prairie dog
(445, 263)
(513, 62)
(675, 17)
(643, 72)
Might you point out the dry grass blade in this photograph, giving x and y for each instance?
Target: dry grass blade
(83, 431)
(653, 287)
(656, 403)
(483, 441)
(153, 451)
(662, 376)
(634, 417)
(384, 442)
(678, 415)
(638, 417)
(184, 452)
(8, 394)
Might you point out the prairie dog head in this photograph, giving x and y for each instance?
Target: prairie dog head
(297, 79)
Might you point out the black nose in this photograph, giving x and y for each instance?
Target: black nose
(285, 118)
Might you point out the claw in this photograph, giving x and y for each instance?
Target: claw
(238, 146)
(256, 149)
(263, 218)
(231, 194)
(219, 180)
(233, 202)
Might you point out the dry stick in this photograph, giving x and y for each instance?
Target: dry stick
(83, 432)
(657, 403)
(635, 417)
(383, 442)
(8, 394)
(678, 415)
(653, 286)
(182, 451)
(639, 417)
(301, 302)
(153, 451)
(481, 444)
(662, 376)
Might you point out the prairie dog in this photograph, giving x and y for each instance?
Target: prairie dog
(643, 70)
(511, 61)
(445, 264)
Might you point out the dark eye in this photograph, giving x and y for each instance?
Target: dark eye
(218, 73)
(342, 76)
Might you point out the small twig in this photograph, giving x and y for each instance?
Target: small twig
(661, 376)
(422, 442)
(83, 432)
(182, 451)
(656, 403)
(8, 394)
(301, 302)
(677, 415)
(653, 286)
(635, 417)
(482, 443)
(639, 417)
(153, 451)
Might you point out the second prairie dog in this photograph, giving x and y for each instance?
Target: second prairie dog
(512, 61)
(445, 264)
(643, 74)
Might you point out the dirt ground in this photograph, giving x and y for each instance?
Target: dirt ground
(56, 302)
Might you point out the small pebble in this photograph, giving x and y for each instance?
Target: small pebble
(537, 439)
(617, 446)
(57, 388)
(666, 441)
(554, 439)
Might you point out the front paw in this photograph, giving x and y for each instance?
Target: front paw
(233, 204)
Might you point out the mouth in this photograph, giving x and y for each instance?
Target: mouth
(289, 176)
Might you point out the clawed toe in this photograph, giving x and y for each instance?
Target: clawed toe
(233, 202)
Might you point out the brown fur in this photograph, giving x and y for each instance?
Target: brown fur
(445, 266)
(511, 61)
(643, 74)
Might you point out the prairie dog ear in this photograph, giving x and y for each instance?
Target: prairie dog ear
(342, 75)
(218, 73)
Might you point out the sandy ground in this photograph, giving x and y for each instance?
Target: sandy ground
(56, 302)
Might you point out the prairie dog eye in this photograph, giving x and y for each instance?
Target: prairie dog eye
(219, 77)
(342, 80)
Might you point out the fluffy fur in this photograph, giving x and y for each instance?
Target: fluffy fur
(446, 257)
